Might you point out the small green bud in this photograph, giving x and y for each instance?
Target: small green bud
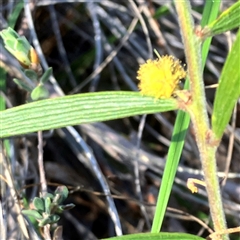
(19, 47)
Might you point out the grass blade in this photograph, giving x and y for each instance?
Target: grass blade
(228, 20)
(225, 100)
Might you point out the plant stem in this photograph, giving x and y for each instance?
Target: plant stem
(43, 182)
(197, 109)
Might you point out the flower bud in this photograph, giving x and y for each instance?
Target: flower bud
(19, 47)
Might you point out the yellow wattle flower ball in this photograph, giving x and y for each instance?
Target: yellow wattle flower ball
(160, 78)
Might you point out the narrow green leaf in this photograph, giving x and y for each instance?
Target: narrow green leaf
(12, 19)
(161, 11)
(77, 109)
(3, 78)
(44, 78)
(228, 20)
(157, 236)
(210, 13)
(228, 90)
(174, 153)
(22, 85)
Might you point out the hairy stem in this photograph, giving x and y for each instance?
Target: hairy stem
(197, 109)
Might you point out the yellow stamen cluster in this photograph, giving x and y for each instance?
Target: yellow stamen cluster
(160, 78)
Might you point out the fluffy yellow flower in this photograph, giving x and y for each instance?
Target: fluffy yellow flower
(160, 78)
